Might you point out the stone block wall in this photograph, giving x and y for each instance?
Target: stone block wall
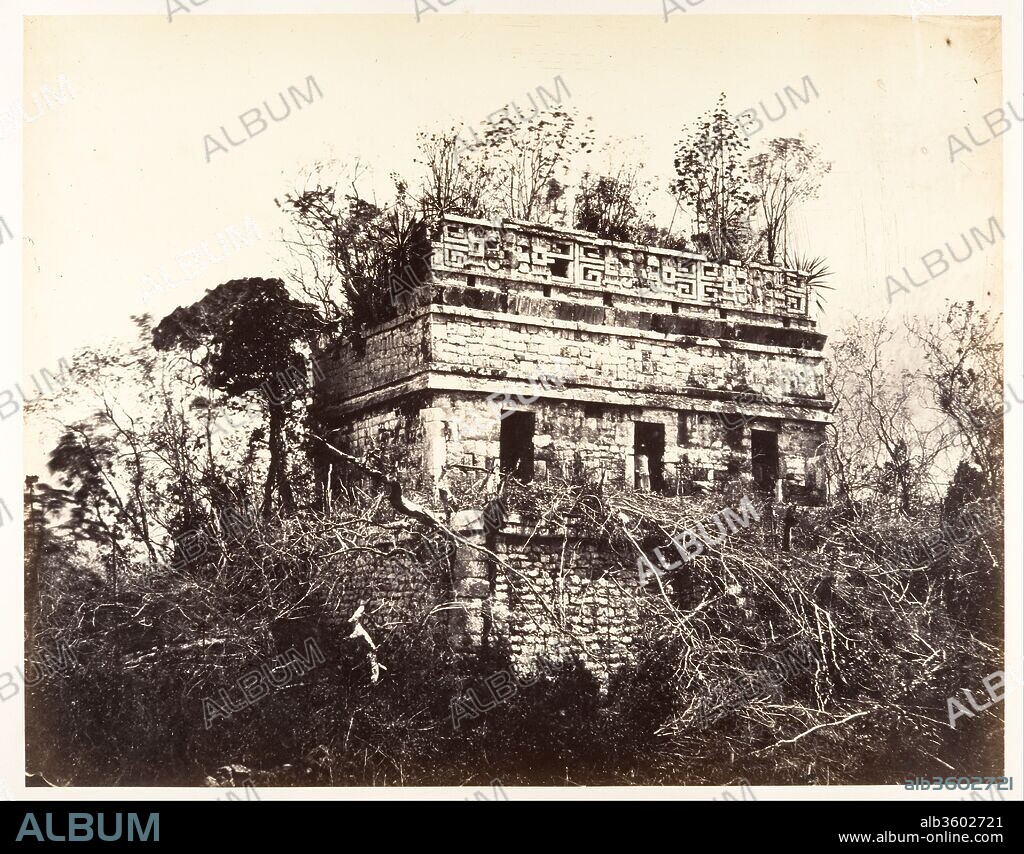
(554, 598)
(607, 361)
(354, 369)
(563, 604)
(629, 334)
(802, 457)
(556, 602)
(394, 589)
(592, 385)
(706, 451)
(388, 435)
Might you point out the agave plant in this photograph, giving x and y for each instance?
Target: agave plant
(815, 270)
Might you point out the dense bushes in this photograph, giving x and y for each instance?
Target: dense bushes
(831, 662)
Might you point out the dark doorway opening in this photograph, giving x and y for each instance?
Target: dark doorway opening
(648, 456)
(764, 456)
(517, 430)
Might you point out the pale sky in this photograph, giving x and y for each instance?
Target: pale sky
(117, 183)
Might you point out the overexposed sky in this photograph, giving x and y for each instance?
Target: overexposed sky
(117, 183)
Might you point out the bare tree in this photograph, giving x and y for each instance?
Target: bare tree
(964, 373)
(529, 159)
(788, 174)
(712, 184)
(318, 209)
(884, 443)
(365, 252)
(614, 206)
(458, 178)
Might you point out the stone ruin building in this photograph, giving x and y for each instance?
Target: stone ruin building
(538, 351)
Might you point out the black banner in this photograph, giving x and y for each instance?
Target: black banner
(266, 822)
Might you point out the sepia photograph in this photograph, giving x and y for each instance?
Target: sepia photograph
(513, 401)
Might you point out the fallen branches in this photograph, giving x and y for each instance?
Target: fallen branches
(815, 728)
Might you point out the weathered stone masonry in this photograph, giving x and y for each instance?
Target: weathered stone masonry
(685, 374)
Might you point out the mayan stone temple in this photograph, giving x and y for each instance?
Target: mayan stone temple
(539, 351)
